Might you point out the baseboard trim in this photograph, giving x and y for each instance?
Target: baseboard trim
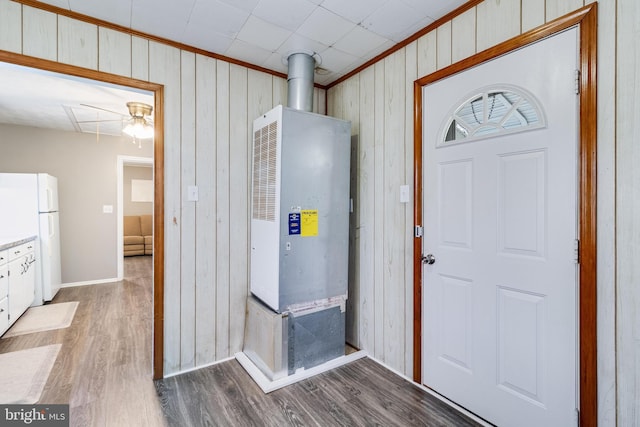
(197, 368)
(89, 282)
(268, 386)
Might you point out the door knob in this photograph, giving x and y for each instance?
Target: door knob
(429, 259)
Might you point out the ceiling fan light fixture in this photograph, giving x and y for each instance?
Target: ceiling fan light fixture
(139, 128)
(139, 109)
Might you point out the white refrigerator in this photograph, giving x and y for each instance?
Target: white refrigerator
(32, 209)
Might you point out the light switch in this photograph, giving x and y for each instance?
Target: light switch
(107, 209)
(192, 193)
(404, 194)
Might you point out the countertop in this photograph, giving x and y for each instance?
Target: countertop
(7, 242)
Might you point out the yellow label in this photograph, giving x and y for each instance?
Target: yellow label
(309, 223)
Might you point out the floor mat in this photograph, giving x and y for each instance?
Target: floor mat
(24, 373)
(44, 318)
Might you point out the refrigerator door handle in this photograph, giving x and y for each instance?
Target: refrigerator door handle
(49, 198)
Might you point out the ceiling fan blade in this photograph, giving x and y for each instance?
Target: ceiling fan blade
(103, 109)
(99, 121)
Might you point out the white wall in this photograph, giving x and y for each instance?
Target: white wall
(208, 121)
(379, 102)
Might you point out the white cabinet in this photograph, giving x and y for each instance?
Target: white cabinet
(4, 291)
(17, 281)
(21, 279)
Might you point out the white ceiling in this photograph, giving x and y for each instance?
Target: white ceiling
(31, 97)
(343, 33)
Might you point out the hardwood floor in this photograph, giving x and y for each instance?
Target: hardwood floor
(104, 373)
(362, 393)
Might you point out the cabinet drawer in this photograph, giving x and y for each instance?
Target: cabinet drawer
(21, 250)
(4, 257)
(4, 281)
(4, 315)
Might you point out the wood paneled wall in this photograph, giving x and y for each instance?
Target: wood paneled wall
(209, 106)
(379, 320)
(627, 220)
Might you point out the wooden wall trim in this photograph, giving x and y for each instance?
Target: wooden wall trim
(586, 19)
(588, 218)
(417, 241)
(158, 236)
(158, 160)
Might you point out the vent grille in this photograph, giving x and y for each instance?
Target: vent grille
(265, 151)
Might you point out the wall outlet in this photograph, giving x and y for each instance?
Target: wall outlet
(107, 209)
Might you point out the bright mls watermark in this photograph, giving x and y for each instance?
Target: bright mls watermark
(34, 415)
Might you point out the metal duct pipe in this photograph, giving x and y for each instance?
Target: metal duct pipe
(300, 81)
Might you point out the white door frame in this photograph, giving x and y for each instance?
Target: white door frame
(586, 20)
(122, 162)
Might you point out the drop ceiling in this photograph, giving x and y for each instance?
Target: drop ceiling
(344, 34)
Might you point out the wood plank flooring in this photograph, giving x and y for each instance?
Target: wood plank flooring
(104, 373)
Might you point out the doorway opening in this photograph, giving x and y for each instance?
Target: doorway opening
(158, 182)
(125, 164)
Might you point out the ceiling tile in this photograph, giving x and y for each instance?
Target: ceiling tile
(353, 10)
(200, 36)
(378, 50)
(169, 19)
(274, 62)
(115, 11)
(64, 4)
(336, 60)
(246, 5)
(359, 41)
(247, 52)
(393, 19)
(324, 79)
(289, 14)
(296, 43)
(219, 17)
(263, 34)
(435, 9)
(325, 27)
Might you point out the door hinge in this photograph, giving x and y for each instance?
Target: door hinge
(577, 88)
(576, 251)
(577, 417)
(418, 231)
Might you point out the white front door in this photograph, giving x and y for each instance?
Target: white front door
(500, 219)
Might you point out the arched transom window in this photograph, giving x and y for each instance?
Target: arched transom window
(492, 112)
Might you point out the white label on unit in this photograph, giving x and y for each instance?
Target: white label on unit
(192, 193)
(404, 194)
(107, 209)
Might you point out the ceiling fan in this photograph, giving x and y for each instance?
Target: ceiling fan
(139, 124)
